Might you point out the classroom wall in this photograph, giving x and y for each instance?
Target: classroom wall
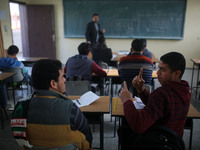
(189, 46)
(5, 23)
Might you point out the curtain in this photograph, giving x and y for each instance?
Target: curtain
(2, 52)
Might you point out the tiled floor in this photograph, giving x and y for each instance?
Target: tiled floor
(110, 142)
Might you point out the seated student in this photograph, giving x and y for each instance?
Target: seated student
(129, 66)
(166, 106)
(101, 52)
(48, 119)
(11, 61)
(81, 65)
(146, 52)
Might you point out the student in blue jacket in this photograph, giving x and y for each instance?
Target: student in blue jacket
(11, 61)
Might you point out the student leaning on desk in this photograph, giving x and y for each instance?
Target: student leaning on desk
(166, 106)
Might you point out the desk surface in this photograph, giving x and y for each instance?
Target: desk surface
(6, 75)
(117, 109)
(102, 105)
(114, 73)
(196, 61)
(30, 59)
(118, 56)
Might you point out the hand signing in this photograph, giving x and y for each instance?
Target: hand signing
(124, 94)
(138, 82)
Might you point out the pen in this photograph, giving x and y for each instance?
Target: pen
(78, 101)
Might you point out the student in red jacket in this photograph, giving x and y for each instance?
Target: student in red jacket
(167, 106)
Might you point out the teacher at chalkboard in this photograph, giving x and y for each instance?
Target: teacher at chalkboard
(93, 31)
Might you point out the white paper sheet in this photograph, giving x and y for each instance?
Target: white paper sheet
(86, 99)
(123, 52)
(113, 56)
(138, 103)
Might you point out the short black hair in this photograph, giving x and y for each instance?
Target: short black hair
(12, 50)
(95, 15)
(175, 61)
(137, 45)
(144, 42)
(101, 39)
(84, 48)
(44, 71)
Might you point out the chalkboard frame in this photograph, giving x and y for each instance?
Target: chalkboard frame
(179, 37)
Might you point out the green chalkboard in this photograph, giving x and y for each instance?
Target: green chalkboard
(151, 19)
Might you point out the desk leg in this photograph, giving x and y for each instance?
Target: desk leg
(102, 132)
(104, 86)
(197, 83)
(153, 84)
(120, 134)
(192, 76)
(13, 90)
(111, 96)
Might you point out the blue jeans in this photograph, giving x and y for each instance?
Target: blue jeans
(3, 95)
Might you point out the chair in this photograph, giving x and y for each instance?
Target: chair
(148, 87)
(77, 87)
(128, 71)
(189, 126)
(103, 65)
(19, 78)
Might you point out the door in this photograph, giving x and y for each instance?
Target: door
(41, 31)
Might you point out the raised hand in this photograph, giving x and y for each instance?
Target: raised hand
(138, 81)
(124, 94)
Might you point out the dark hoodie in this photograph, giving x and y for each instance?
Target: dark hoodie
(167, 106)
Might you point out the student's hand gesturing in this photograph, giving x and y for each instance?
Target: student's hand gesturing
(138, 82)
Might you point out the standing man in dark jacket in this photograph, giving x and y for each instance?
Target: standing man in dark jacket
(166, 106)
(93, 31)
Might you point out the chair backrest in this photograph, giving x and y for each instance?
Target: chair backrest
(127, 73)
(19, 73)
(148, 87)
(159, 138)
(77, 87)
(102, 64)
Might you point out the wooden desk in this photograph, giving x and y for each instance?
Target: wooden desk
(117, 109)
(97, 108)
(114, 73)
(196, 62)
(30, 60)
(6, 75)
(118, 56)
